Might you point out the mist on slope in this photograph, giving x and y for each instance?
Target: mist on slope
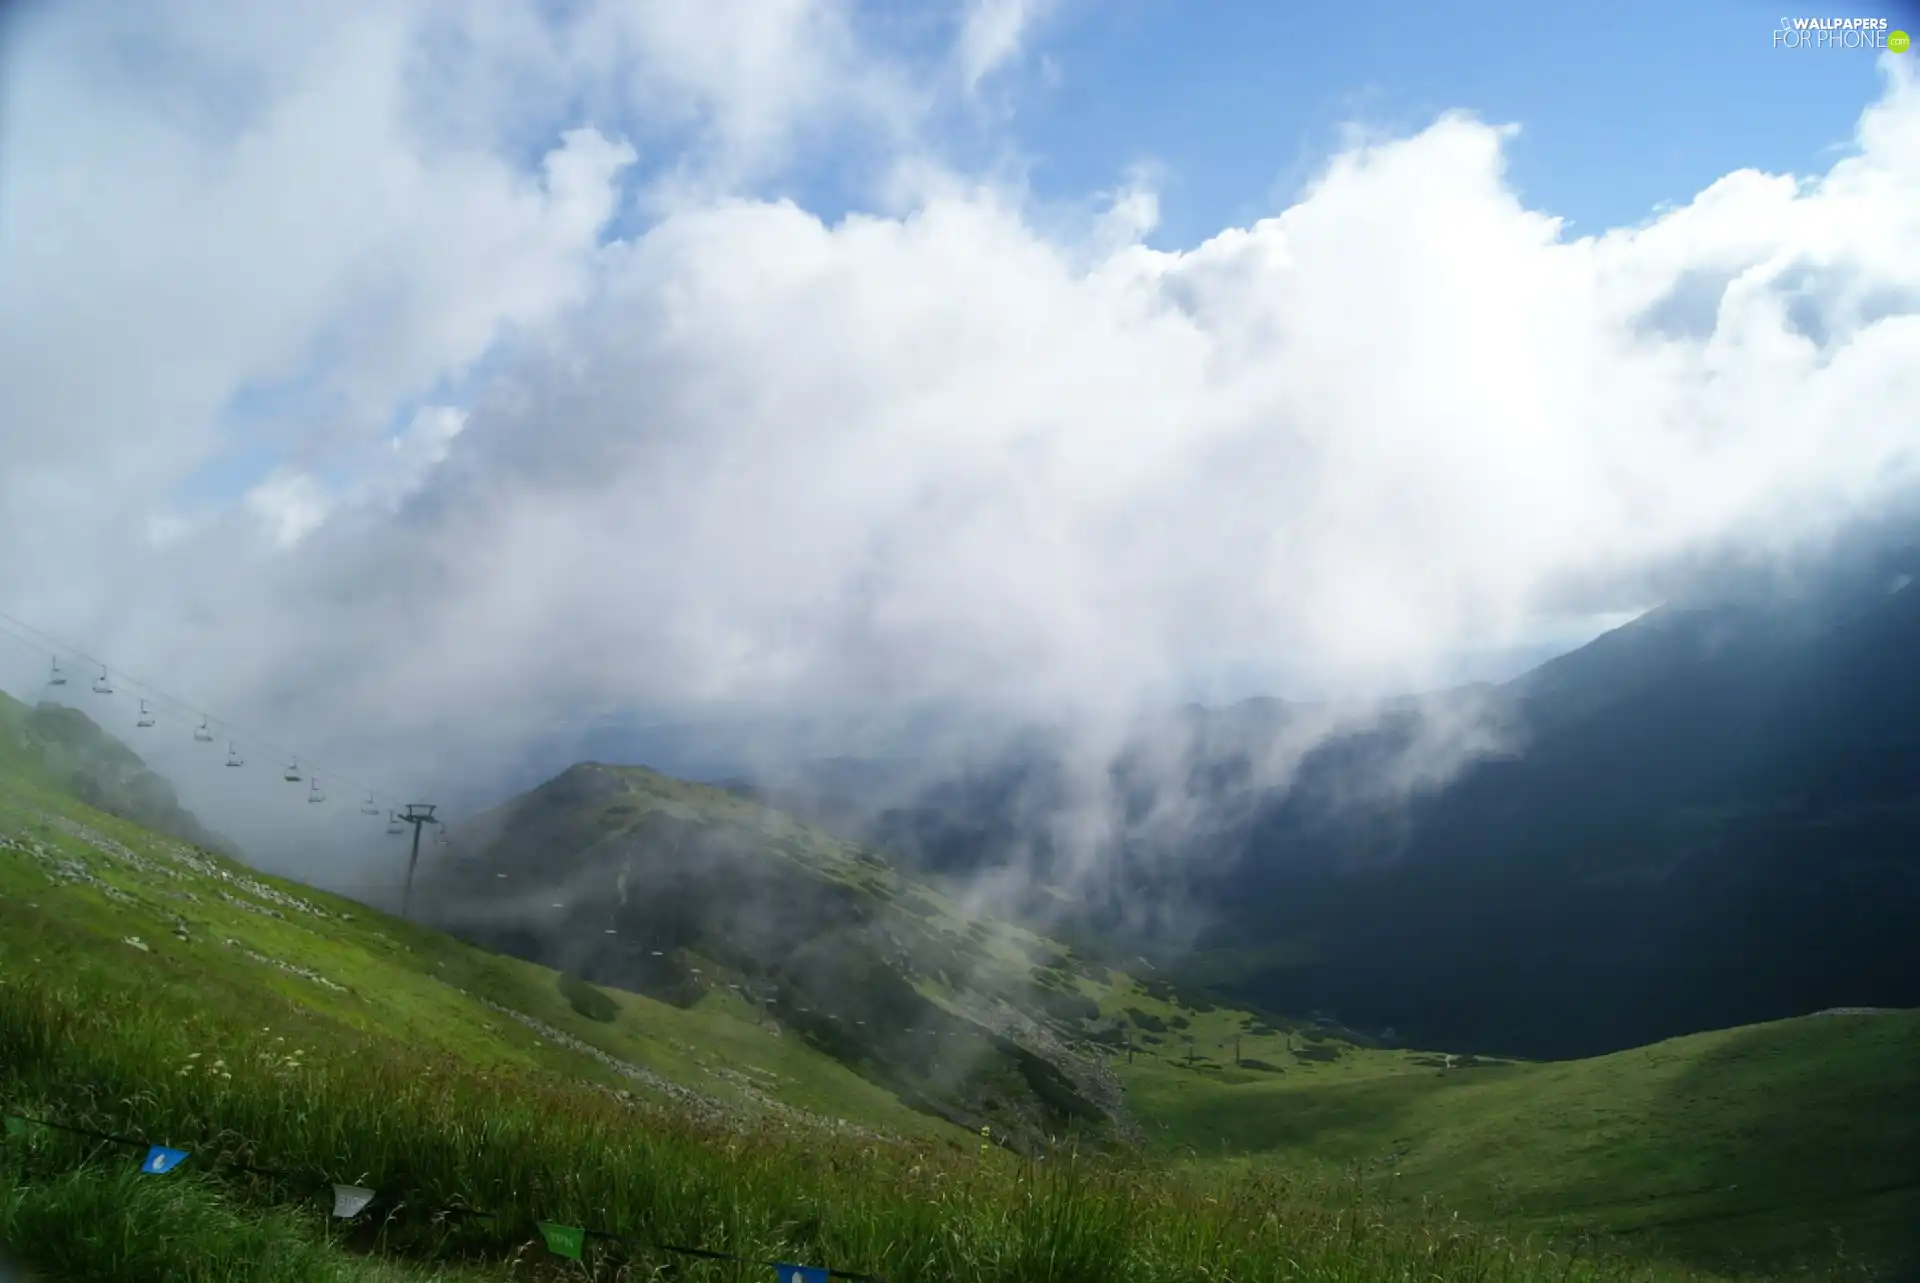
(500, 426)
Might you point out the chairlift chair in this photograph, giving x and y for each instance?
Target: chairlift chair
(314, 794)
(233, 755)
(202, 733)
(146, 717)
(56, 677)
(103, 686)
(293, 772)
(370, 808)
(393, 824)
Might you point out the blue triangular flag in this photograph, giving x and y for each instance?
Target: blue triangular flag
(161, 1159)
(799, 1274)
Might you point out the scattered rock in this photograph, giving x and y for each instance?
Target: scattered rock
(305, 973)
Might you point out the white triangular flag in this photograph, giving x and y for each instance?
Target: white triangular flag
(350, 1200)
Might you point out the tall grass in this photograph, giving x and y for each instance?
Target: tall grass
(337, 1106)
(85, 1218)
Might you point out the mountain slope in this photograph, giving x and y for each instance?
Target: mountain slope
(63, 747)
(1708, 817)
(629, 878)
(1767, 1142)
(1718, 835)
(84, 895)
(148, 988)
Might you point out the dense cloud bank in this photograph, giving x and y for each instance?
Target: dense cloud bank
(403, 382)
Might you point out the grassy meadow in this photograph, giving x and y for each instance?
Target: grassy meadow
(1748, 1147)
(150, 990)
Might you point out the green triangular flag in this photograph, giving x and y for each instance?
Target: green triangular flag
(16, 1126)
(563, 1240)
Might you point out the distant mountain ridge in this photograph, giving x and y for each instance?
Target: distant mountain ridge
(1722, 831)
(1707, 817)
(626, 877)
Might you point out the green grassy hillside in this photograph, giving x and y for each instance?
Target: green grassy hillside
(150, 989)
(1743, 1147)
(677, 891)
(94, 901)
(61, 746)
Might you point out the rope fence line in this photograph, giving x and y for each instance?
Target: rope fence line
(349, 1201)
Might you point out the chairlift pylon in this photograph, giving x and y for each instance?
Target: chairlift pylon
(56, 677)
(146, 717)
(233, 755)
(103, 686)
(370, 808)
(293, 771)
(203, 733)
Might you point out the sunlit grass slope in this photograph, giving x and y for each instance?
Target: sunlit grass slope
(92, 900)
(1748, 1146)
(324, 1041)
(149, 989)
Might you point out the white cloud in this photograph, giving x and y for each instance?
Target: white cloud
(428, 438)
(992, 33)
(288, 505)
(253, 207)
(744, 455)
(739, 86)
(931, 456)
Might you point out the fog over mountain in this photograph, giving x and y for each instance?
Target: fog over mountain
(466, 373)
(1705, 818)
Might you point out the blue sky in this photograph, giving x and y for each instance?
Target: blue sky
(1622, 107)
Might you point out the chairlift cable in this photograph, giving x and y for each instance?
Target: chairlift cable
(34, 638)
(40, 640)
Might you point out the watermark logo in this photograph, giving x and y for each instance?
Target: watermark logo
(1840, 33)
